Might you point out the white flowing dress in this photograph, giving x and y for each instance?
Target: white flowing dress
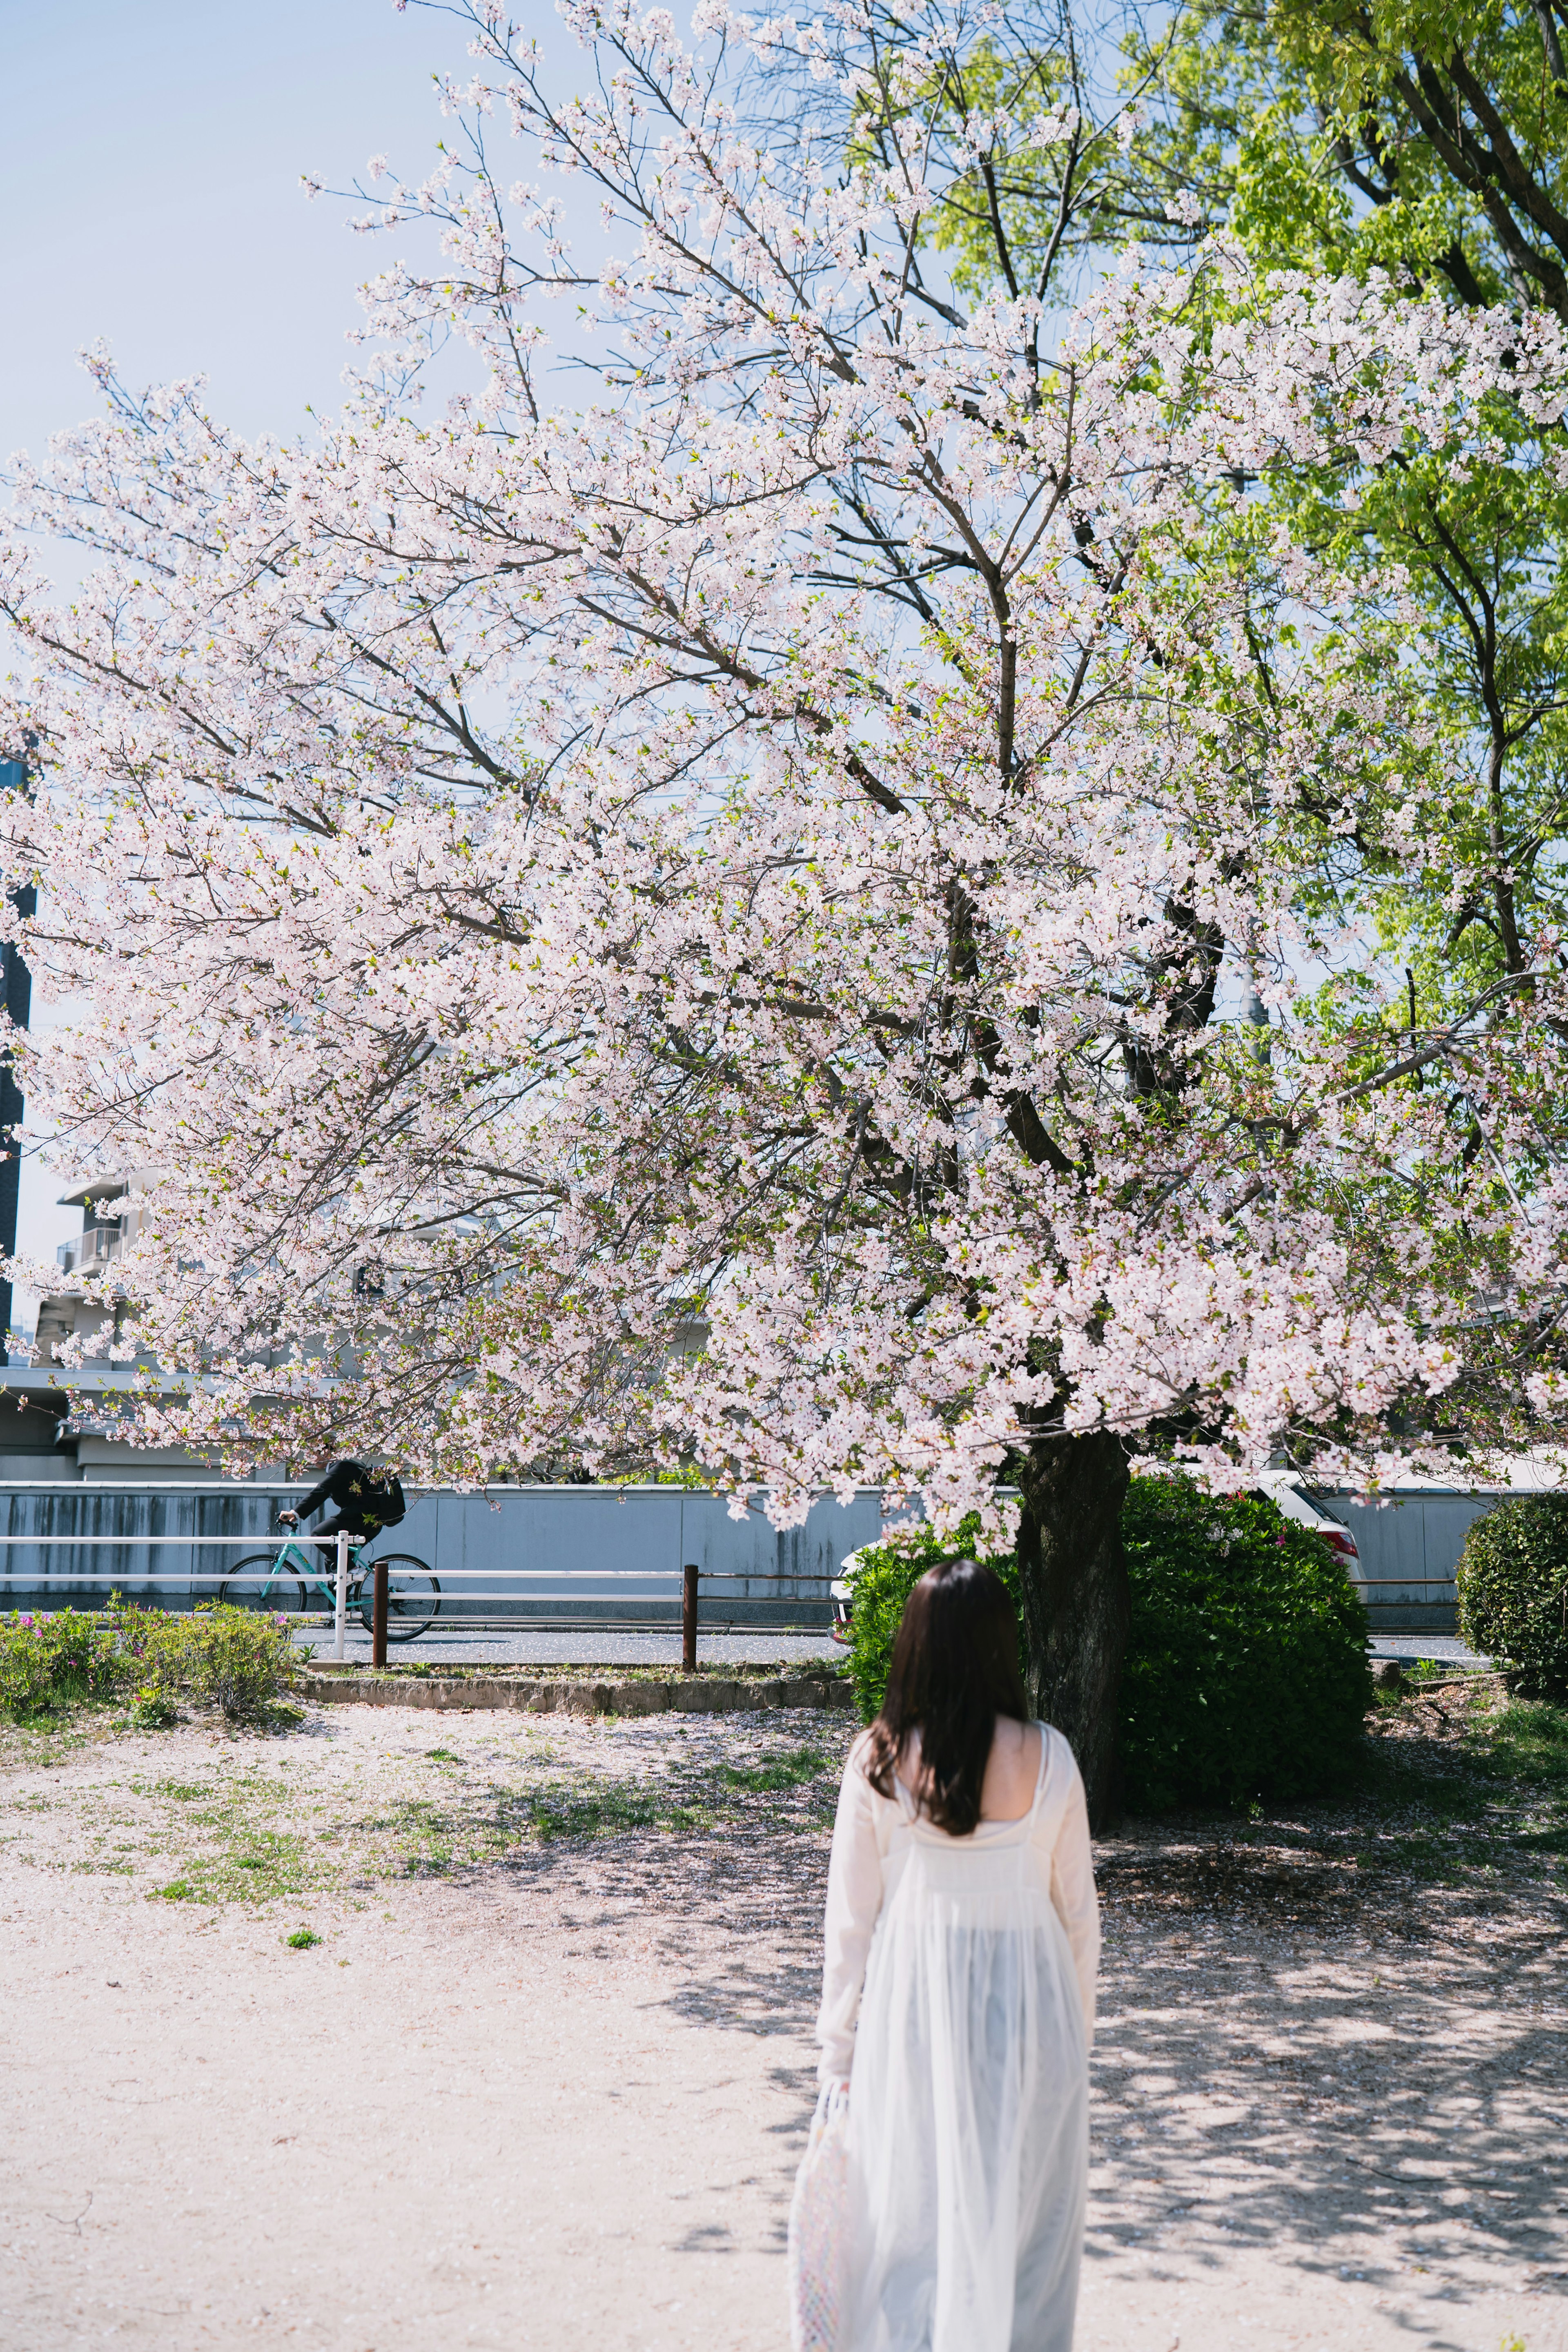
(959, 2002)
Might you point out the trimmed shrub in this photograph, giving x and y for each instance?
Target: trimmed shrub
(1514, 1590)
(884, 1576)
(1246, 1673)
(234, 1659)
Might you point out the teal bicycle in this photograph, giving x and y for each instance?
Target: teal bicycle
(286, 1581)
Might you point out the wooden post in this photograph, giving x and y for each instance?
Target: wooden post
(379, 1617)
(689, 1618)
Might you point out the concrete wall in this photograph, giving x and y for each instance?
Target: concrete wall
(582, 1551)
(540, 1551)
(1409, 1550)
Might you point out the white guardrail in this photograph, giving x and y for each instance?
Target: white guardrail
(549, 1556)
(681, 1586)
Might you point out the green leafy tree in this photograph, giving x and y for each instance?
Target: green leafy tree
(1425, 143)
(1429, 145)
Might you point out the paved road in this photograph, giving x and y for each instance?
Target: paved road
(1445, 1647)
(458, 1647)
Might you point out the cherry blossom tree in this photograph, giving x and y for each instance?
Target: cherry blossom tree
(811, 916)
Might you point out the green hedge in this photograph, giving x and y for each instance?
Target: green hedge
(237, 1659)
(1514, 1590)
(1246, 1673)
(884, 1575)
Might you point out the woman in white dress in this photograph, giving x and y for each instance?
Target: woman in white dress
(962, 1938)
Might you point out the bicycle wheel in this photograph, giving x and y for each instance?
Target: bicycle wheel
(251, 1583)
(413, 1598)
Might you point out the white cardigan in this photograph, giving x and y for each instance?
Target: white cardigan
(867, 1834)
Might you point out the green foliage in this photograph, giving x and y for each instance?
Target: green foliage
(792, 1770)
(304, 1940)
(1525, 1741)
(232, 1659)
(884, 1576)
(1423, 143)
(151, 1711)
(1246, 1674)
(1329, 138)
(62, 1658)
(1514, 1590)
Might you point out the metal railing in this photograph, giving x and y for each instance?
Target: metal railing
(93, 1247)
(683, 1583)
(1370, 1581)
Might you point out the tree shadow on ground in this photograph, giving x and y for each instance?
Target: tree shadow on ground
(1331, 2036)
(1335, 2035)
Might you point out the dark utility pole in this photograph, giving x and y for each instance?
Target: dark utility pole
(18, 1005)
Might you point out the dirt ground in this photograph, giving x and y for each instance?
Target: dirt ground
(543, 2078)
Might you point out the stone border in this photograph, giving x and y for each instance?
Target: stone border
(682, 1694)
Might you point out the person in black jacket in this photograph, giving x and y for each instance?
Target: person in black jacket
(365, 1500)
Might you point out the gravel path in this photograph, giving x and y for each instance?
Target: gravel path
(544, 2077)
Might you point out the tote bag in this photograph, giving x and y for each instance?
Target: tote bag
(819, 2227)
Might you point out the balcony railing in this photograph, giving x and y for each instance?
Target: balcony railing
(94, 1248)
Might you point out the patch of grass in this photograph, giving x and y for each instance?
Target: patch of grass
(603, 1811)
(1526, 1740)
(792, 1770)
(302, 1940)
(424, 1834)
(39, 1746)
(248, 1833)
(178, 1890)
(1462, 1784)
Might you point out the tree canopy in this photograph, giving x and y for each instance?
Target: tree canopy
(919, 871)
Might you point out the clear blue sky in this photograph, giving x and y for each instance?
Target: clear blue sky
(150, 195)
(150, 191)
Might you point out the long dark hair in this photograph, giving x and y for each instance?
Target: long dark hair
(954, 1669)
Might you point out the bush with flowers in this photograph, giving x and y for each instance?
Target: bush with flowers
(237, 1660)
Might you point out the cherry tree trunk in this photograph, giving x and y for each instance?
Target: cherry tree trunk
(1075, 1599)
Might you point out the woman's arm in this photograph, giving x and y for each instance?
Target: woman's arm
(854, 1899)
(1073, 1897)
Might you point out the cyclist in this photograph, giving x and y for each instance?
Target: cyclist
(365, 1500)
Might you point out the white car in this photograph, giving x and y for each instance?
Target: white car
(1280, 1485)
(841, 1594)
(1281, 1488)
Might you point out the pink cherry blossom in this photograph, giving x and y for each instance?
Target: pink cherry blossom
(704, 923)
